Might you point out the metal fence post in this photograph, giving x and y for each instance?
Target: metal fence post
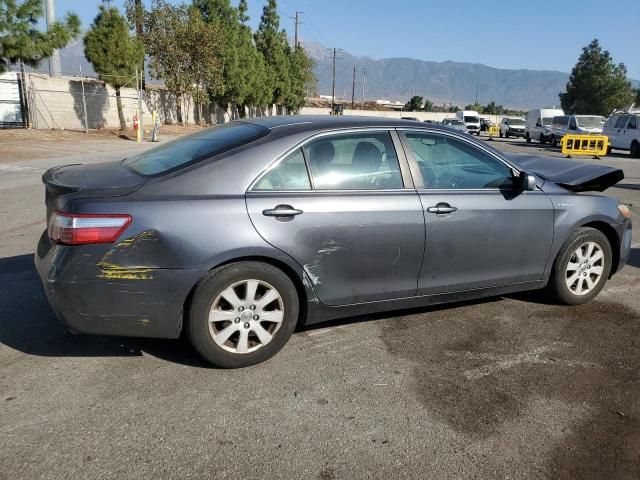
(141, 116)
(84, 103)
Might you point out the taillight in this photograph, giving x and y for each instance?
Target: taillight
(80, 229)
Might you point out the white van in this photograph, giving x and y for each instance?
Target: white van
(623, 130)
(471, 120)
(539, 124)
(576, 125)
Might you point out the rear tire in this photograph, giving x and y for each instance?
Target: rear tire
(527, 137)
(506, 134)
(500, 133)
(635, 149)
(581, 267)
(242, 313)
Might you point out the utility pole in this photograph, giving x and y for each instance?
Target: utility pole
(54, 60)
(353, 89)
(298, 22)
(139, 9)
(476, 94)
(333, 86)
(364, 83)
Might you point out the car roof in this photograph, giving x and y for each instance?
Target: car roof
(300, 123)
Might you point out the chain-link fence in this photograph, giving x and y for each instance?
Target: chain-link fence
(78, 102)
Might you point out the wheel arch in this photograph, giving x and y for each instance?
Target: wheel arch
(614, 241)
(299, 283)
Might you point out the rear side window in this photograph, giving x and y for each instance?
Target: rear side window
(357, 161)
(289, 174)
(193, 148)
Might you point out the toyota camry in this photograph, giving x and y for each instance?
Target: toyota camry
(237, 234)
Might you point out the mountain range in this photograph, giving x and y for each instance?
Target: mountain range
(399, 78)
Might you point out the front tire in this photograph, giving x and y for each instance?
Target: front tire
(242, 313)
(581, 268)
(527, 137)
(635, 149)
(554, 141)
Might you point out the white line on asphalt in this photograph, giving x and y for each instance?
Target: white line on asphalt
(19, 168)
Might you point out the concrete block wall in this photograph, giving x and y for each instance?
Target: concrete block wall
(58, 103)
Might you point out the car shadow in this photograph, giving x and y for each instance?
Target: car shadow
(627, 186)
(28, 324)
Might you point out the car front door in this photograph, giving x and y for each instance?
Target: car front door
(618, 138)
(344, 208)
(482, 230)
(630, 132)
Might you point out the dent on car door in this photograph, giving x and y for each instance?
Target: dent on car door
(339, 207)
(482, 230)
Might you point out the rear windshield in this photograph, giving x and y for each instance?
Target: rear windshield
(471, 119)
(193, 148)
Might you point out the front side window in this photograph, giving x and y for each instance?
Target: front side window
(621, 121)
(449, 163)
(355, 161)
(633, 123)
(572, 124)
(288, 174)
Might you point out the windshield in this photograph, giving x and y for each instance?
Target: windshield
(194, 148)
(547, 120)
(516, 121)
(471, 119)
(453, 122)
(590, 122)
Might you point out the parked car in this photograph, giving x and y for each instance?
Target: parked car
(575, 124)
(623, 130)
(455, 124)
(471, 120)
(538, 125)
(238, 234)
(512, 127)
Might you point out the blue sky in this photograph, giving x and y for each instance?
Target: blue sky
(503, 34)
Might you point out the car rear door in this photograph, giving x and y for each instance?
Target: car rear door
(344, 207)
(482, 231)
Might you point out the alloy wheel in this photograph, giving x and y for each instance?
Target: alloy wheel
(585, 268)
(245, 316)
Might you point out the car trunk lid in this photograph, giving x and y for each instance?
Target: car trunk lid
(70, 182)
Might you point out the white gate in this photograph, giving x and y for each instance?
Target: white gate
(11, 111)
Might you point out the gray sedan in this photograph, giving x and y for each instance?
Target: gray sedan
(238, 234)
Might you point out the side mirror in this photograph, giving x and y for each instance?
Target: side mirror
(527, 181)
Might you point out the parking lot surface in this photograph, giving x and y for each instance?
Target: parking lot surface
(507, 387)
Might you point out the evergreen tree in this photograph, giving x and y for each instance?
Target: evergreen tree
(113, 52)
(596, 85)
(21, 41)
(271, 42)
(302, 78)
(414, 104)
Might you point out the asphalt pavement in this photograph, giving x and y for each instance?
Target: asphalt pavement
(506, 387)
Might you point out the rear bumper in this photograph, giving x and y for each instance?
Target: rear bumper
(130, 302)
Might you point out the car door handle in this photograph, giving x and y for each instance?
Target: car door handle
(442, 208)
(282, 211)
